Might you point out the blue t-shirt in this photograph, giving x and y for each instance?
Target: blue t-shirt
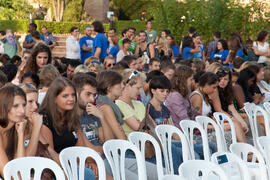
(199, 55)
(175, 50)
(160, 117)
(240, 53)
(114, 50)
(88, 42)
(89, 126)
(186, 53)
(102, 43)
(29, 39)
(223, 55)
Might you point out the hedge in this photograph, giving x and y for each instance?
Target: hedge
(64, 27)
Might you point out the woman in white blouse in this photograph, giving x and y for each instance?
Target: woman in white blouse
(261, 47)
(72, 44)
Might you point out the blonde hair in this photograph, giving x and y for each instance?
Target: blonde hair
(88, 61)
(214, 67)
(81, 68)
(99, 67)
(108, 58)
(164, 45)
(246, 64)
(47, 74)
(28, 88)
(127, 79)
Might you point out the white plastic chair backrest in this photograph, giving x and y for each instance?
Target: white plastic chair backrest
(69, 158)
(201, 168)
(266, 117)
(264, 147)
(249, 109)
(243, 168)
(173, 177)
(243, 150)
(205, 121)
(165, 133)
(220, 118)
(188, 127)
(26, 164)
(139, 139)
(266, 106)
(115, 151)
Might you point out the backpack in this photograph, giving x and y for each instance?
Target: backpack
(252, 56)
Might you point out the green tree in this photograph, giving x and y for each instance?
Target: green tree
(73, 11)
(15, 9)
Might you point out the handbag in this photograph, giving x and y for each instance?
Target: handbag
(252, 56)
(148, 126)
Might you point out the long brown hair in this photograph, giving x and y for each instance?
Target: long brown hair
(70, 118)
(179, 80)
(7, 95)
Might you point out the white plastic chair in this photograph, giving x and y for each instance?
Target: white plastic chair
(220, 119)
(260, 111)
(194, 169)
(26, 164)
(266, 106)
(139, 139)
(173, 177)
(115, 153)
(165, 135)
(264, 147)
(257, 164)
(250, 110)
(220, 139)
(234, 164)
(69, 161)
(188, 127)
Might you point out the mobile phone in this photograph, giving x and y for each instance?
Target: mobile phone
(220, 117)
(222, 159)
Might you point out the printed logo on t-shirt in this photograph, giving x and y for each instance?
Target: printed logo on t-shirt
(90, 131)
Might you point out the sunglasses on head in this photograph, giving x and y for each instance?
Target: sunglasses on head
(95, 62)
(134, 73)
(222, 72)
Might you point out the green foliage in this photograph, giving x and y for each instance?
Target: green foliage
(208, 15)
(16, 25)
(131, 9)
(15, 9)
(73, 11)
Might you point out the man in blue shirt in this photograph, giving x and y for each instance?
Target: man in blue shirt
(101, 42)
(87, 44)
(29, 42)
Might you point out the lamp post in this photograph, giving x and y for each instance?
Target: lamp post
(30, 18)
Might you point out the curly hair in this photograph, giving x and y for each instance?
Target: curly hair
(179, 80)
(31, 65)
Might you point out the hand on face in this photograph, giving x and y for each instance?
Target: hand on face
(91, 109)
(36, 119)
(20, 127)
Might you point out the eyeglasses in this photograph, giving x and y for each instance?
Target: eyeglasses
(95, 62)
(134, 73)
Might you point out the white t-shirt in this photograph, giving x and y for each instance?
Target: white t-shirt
(72, 48)
(263, 48)
(121, 54)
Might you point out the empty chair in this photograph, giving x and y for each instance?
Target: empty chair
(188, 127)
(173, 177)
(232, 165)
(220, 119)
(193, 169)
(264, 147)
(252, 157)
(220, 139)
(165, 135)
(139, 139)
(115, 153)
(69, 158)
(25, 165)
(260, 111)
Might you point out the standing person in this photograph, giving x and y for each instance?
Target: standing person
(144, 48)
(173, 45)
(101, 42)
(12, 124)
(29, 42)
(11, 44)
(61, 126)
(130, 34)
(151, 34)
(213, 44)
(221, 51)
(87, 44)
(261, 47)
(187, 50)
(47, 37)
(197, 41)
(72, 44)
(124, 52)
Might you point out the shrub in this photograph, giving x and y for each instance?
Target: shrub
(16, 25)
